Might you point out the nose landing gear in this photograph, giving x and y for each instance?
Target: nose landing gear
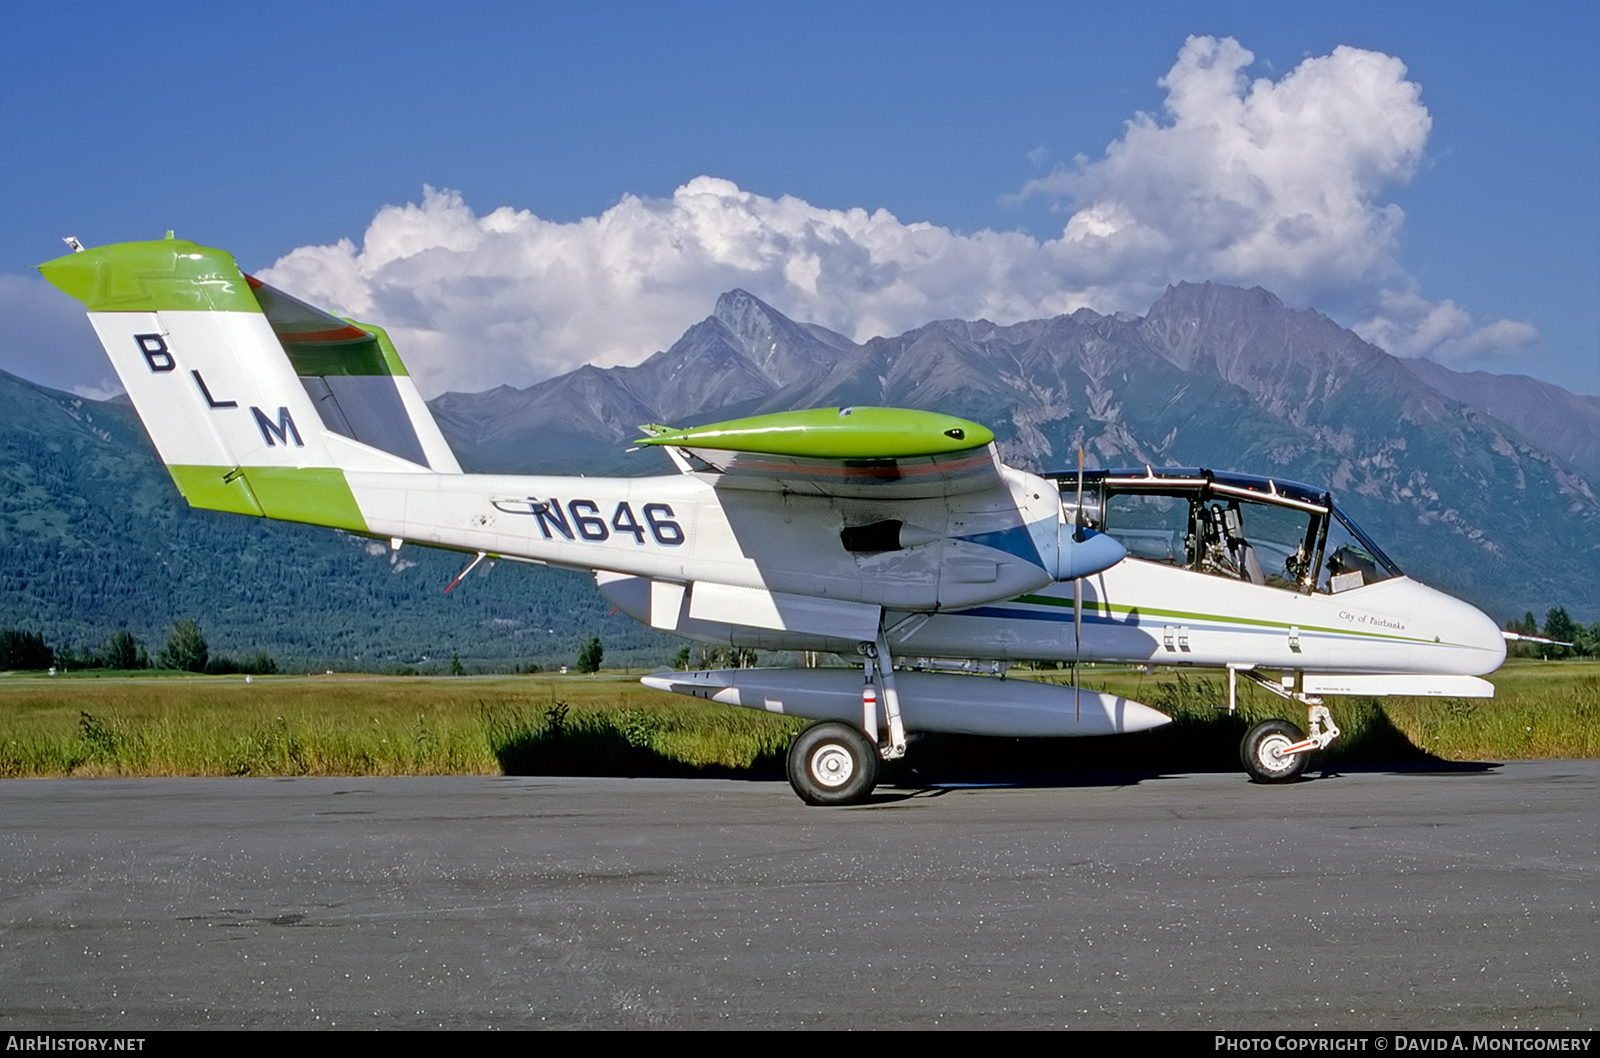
(1265, 752)
(1275, 750)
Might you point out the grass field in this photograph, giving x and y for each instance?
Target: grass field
(130, 724)
(1541, 710)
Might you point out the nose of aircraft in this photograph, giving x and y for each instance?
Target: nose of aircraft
(1477, 645)
(1488, 639)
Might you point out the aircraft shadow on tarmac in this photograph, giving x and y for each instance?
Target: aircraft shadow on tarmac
(916, 786)
(1184, 747)
(592, 745)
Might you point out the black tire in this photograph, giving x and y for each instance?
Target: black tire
(832, 764)
(1261, 756)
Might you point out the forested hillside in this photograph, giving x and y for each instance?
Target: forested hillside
(94, 537)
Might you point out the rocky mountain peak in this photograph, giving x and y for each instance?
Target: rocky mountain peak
(743, 312)
(781, 349)
(1293, 363)
(1194, 321)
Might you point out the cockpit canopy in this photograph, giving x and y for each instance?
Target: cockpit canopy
(1274, 533)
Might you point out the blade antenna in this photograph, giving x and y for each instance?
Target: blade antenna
(470, 567)
(1077, 601)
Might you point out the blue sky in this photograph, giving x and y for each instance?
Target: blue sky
(275, 130)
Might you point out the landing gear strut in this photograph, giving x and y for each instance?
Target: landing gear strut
(833, 763)
(1275, 750)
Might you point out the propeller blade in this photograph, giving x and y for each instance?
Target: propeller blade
(1077, 648)
(1077, 603)
(1077, 533)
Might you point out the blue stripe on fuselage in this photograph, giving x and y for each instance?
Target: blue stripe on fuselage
(1014, 541)
(1091, 616)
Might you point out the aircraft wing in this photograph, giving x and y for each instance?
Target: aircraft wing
(869, 453)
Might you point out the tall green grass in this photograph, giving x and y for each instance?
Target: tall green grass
(610, 725)
(662, 739)
(1541, 710)
(352, 725)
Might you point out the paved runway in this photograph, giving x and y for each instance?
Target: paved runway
(1358, 901)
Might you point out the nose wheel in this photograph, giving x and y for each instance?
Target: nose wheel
(1273, 751)
(1276, 750)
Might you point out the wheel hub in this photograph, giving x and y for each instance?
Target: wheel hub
(1272, 756)
(832, 765)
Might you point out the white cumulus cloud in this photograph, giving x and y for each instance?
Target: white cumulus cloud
(509, 297)
(1276, 183)
(1270, 182)
(1407, 324)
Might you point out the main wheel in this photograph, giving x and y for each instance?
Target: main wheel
(832, 764)
(1262, 754)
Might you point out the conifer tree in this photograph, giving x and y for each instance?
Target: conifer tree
(121, 651)
(186, 648)
(590, 655)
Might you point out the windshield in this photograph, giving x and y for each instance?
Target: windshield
(1226, 536)
(1352, 558)
(1257, 530)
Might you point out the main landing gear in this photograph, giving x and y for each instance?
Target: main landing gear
(1276, 750)
(833, 763)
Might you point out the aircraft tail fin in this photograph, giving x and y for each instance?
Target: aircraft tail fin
(257, 402)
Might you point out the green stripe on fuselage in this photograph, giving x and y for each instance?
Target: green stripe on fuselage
(1113, 611)
(314, 495)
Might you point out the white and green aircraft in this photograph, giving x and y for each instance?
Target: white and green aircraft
(895, 534)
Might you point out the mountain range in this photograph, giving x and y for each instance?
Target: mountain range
(1482, 485)
(746, 355)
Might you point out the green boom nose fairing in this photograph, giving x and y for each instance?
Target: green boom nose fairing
(835, 433)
